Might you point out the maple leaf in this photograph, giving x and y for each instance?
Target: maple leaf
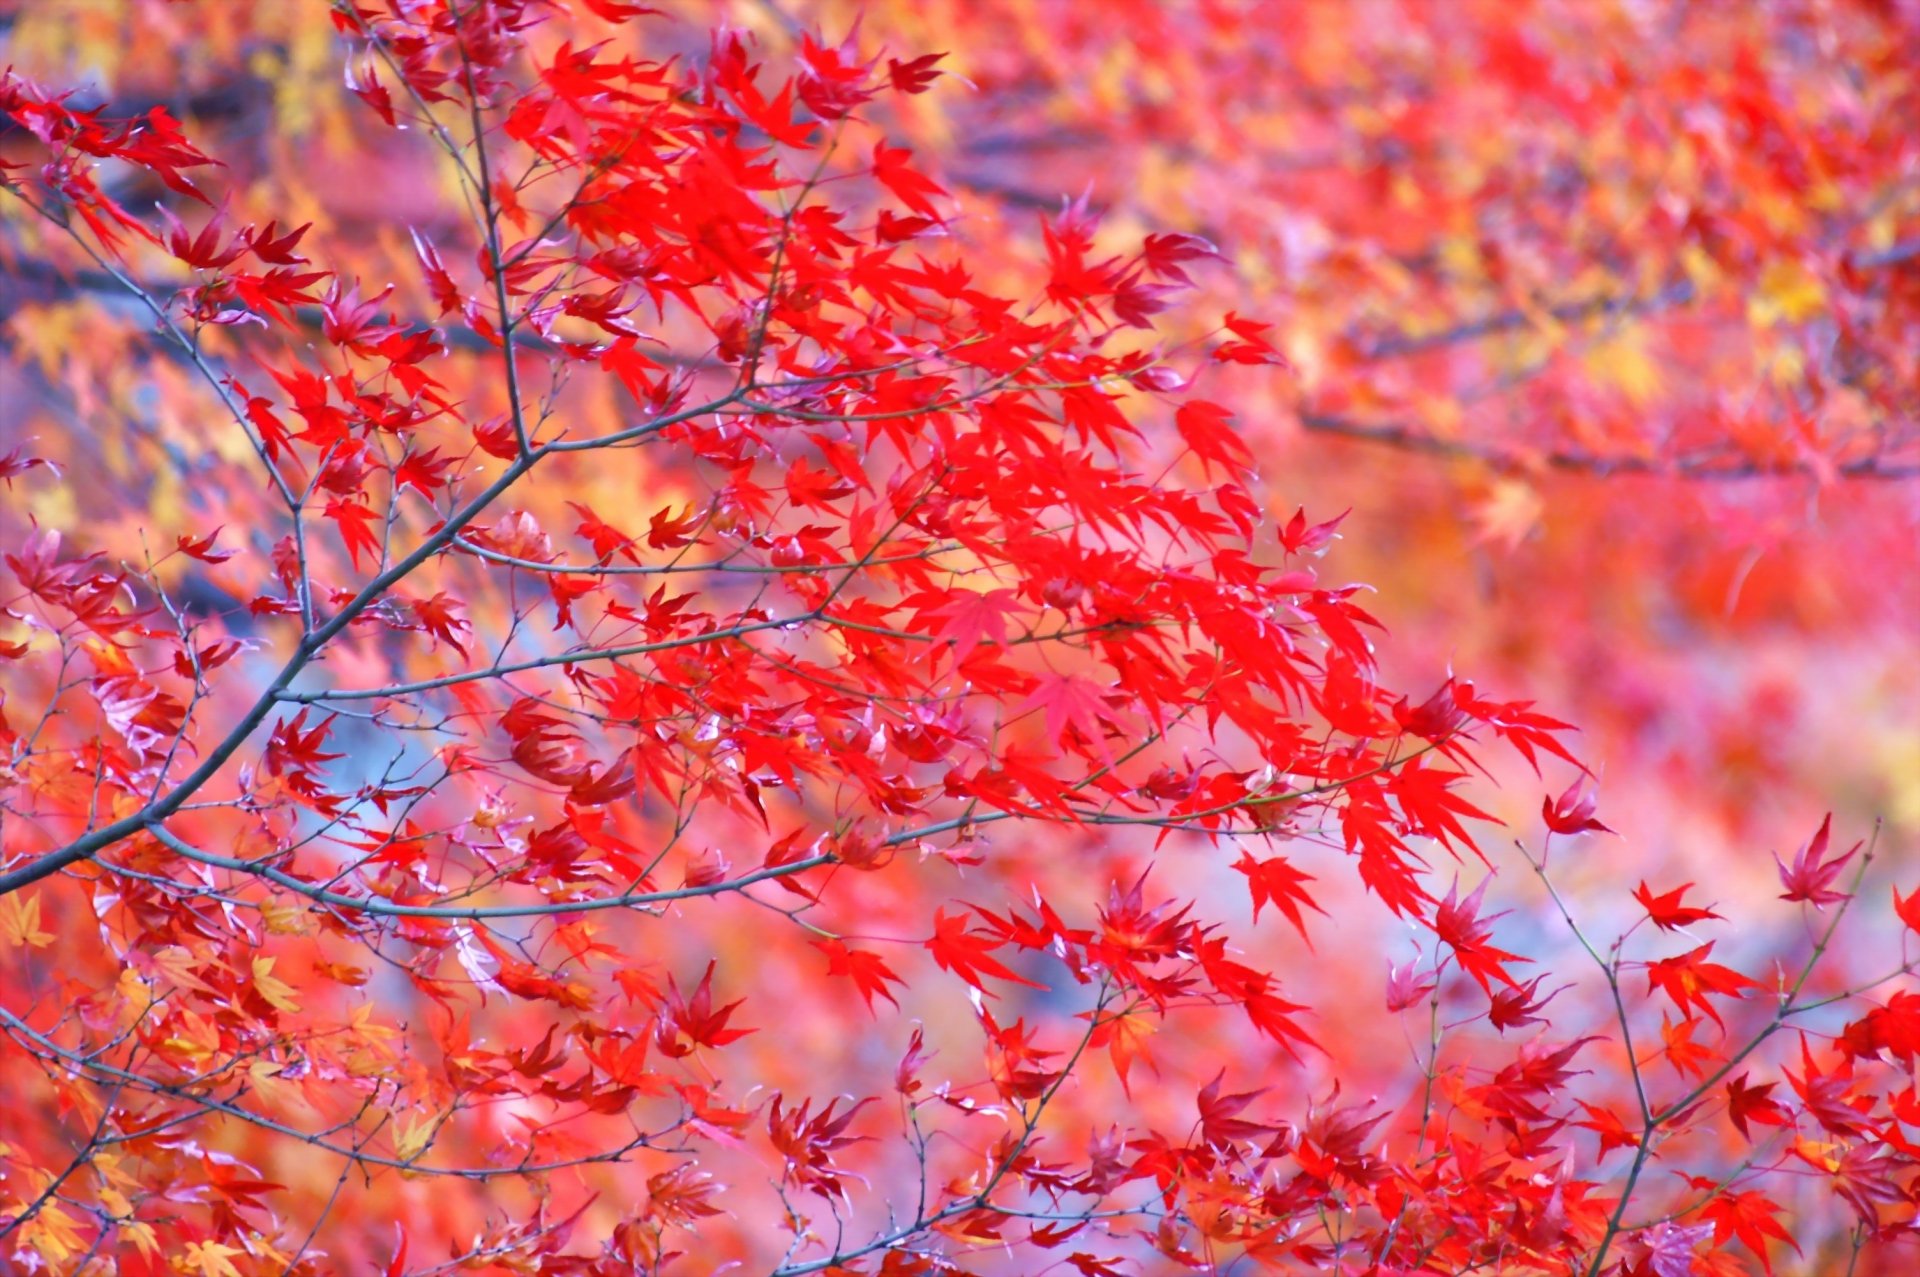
(201, 548)
(1891, 1029)
(443, 617)
(350, 322)
(1071, 703)
(365, 85)
(1865, 1178)
(1407, 985)
(632, 369)
(1908, 910)
(967, 618)
(276, 247)
(1125, 1037)
(276, 992)
(1688, 1058)
(688, 1022)
(1431, 806)
(619, 11)
(915, 75)
(908, 186)
(212, 1259)
(1668, 1248)
(1753, 1104)
(292, 748)
(968, 954)
(1275, 881)
(666, 530)
(1297, 536)
(209, 250)
(1135, 302)
(16, 462)
(906, 1075)
(1572, 811)
(1605, 1123)
(20, 921)
(1829, 1097)
(808, 1141)
(357, 522)
(1689, 979)
(1332, 1142)
(1220, 1122)
(1458, 925)
(1746, 1215)
(1252, 346)
(1666, 911)
(1811, 876)
(1163, 254)
(1204, 428)
(1437, 718)
(1520, 1005)
(868, 971)
(424, 472)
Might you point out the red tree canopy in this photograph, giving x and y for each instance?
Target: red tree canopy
(606, 669)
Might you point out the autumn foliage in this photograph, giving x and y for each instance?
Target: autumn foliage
(653, 642)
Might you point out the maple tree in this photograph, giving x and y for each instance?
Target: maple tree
(673, 697)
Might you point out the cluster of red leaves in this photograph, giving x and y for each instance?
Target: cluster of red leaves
(909, 574)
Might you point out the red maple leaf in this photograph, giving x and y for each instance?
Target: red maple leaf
(1572, 812)
(914, 75)
(1459, 926)
(868, 971)
(908, 185)
(1908, 910)
(1276, 882)
(293, 749)
(967, 618)
(968, 954)
(1205, 429)
(1071, 703)
(690, 1021)
(1689, 979)
(1746, 1215)
(1753, 1104)
(1811, 875)
(1665, 909)
(357, 522)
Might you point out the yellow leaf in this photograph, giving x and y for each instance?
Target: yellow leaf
(1624, 364)
(212, 1259)
(271, 1259)
(285, 919)
(1788, 293)
(278, 993)
(141, 1234)
(181, 966)
(1899, 767)
(131, 995)
(54, 1233)
(20, 921)
(268, 1085)
(1128, 1042)
(108, 1165)
(1819, 1153)
(410, 1139)
(193, 1036)
(1508, 513)
(364, 1030)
